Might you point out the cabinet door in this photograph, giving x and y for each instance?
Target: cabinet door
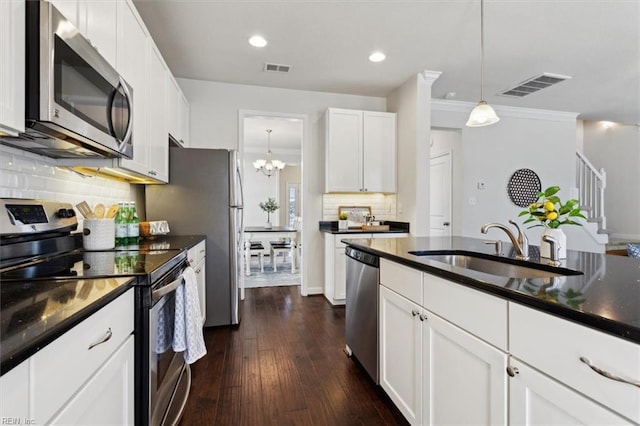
(12, 40)
(185, 122)
(97, 22)
(465, 381)
(158, 146)
(343, 150)
(107, 398)
(14, 392)
(132, 65)
(536, 399)
(400, 343)
(379, 152)
(173, 108)
(340, 274)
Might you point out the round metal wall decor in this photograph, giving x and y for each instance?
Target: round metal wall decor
(523, 187)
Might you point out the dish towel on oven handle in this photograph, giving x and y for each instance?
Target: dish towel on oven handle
(187, 334)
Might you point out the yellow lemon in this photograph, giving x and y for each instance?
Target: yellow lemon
(549, 206)
(552, 215)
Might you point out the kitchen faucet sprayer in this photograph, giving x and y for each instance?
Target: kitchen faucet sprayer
(521, 243)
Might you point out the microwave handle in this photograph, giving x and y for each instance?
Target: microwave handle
(127, 94)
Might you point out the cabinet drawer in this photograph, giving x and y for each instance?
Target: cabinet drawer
(61, 368)
(403, 280)
(196, 253)
(480, 314)
(340, 237)
(14, 393)
(555, 346)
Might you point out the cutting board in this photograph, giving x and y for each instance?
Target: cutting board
(375, 227)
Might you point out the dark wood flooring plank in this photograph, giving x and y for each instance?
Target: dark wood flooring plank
(284, 365)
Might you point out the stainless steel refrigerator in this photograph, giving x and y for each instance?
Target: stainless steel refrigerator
(204, 197)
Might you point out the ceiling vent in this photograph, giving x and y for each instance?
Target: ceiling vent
(534, 84)
(276, 67)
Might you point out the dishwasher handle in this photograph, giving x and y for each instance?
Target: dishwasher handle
(362, 257)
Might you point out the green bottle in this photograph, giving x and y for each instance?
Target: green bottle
(133, 232)
(121, 224)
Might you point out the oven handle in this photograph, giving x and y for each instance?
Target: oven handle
(172, 286)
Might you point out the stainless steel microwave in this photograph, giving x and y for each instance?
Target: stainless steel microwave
(77, 105)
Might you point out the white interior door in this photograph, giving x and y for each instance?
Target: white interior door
(440, 190)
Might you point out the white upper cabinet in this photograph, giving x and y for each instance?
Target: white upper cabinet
(360, 151)
(12, 41)
(96, 20)
(178, 108)
(132, 65)
(158, 151)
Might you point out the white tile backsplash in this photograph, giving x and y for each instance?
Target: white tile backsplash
(383, 206)
(27, 175)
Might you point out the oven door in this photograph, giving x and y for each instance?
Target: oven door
(169, 375)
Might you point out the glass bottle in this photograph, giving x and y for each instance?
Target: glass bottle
(133, 232)
(121, 224)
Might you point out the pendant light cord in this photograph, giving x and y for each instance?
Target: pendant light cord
(481, 50)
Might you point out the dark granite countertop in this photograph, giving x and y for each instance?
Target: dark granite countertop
(35, 313)
(170, 242)
(605, 297)
(331, 227)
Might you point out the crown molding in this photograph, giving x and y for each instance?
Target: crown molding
(505, 111)
(430, 76)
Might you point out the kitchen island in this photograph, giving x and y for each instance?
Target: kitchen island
(562, 347)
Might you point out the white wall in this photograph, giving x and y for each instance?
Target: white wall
(543, 141)
(214, 124)
(411, 102)
(617, 150)
(27, 175)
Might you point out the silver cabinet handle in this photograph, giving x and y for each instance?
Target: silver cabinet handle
(608, 375)
(104, 339)
(414, 313)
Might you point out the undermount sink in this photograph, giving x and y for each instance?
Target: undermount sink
(493, 267)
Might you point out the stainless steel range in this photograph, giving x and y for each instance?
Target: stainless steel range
(39, 252)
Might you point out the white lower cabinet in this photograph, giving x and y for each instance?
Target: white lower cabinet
(85, 376)
(335, 263)
(107, 397)
(535, 399)
(435, 372)
(464, 380)
(400, 341)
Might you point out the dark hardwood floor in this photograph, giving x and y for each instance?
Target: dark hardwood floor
(284, 365)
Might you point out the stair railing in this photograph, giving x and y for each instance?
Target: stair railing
(591, 184)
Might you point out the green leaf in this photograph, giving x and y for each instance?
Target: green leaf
(539, 214)
(524, 212)
(564, 210)
(554, 199)
(576, 213)
(540, 194)
(554, 224)
(529, 220)
(551, 191)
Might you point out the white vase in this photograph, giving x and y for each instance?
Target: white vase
(343, 224)
(557, 234)
(267, 225)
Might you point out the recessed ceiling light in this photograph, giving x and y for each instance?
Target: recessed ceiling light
(377, 57)
(257, 41)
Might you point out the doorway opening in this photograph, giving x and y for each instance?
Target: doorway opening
(273, 255)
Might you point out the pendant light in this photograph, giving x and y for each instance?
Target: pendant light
(483, 114)
(268, 166)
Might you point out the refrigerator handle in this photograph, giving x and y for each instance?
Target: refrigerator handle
(240, 185)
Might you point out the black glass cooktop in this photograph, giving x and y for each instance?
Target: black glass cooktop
(79, 264)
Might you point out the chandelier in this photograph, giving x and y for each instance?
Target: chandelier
(268, 166)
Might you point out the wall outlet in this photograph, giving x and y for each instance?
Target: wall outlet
(472, 201)
(480, 184)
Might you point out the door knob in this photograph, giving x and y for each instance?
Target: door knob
(446, 224)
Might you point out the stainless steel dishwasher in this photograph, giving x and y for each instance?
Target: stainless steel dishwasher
(362, 309)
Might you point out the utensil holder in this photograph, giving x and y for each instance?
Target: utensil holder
(99, 234)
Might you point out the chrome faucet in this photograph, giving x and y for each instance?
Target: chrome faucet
(521, 244)
(555, 249)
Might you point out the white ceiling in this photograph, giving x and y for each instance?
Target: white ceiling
(327, 43)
